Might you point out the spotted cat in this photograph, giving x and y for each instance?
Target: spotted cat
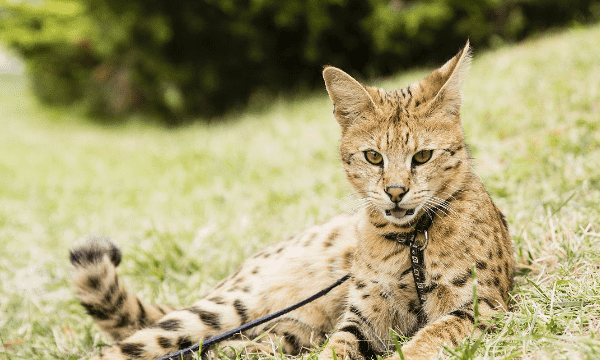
(403, 152)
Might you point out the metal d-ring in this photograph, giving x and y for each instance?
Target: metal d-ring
(426, 240)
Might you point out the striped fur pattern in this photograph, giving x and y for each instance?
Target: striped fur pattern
(403, 152)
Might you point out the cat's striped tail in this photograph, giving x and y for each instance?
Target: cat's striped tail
(116, 311)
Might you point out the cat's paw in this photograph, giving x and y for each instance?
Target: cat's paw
(92, 249)
(327, 353)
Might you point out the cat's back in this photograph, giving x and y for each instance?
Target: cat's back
(289, 271)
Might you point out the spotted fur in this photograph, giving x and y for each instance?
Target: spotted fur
(468, 234)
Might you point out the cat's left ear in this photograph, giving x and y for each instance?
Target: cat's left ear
(446, 84)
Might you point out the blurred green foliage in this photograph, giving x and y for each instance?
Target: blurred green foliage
(181, 59)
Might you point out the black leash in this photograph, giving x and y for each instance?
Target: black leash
(226, 335)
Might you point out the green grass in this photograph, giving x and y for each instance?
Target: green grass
(189, 204)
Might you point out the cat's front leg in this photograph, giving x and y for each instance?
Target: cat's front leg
(448, 330)
(347, 345)
(428, 342)
(353, 339)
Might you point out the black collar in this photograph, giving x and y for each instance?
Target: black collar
(409, 237)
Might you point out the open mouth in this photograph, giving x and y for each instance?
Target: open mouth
(399, 212)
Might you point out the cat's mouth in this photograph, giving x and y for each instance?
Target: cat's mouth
(399, 212)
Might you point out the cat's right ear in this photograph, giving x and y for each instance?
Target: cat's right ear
(349, 97)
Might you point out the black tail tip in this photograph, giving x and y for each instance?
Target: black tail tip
(92, 248)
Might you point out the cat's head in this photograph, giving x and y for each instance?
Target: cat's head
(403, 151)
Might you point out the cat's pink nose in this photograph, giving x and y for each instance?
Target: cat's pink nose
(396, 193)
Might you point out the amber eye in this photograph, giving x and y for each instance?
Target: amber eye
(422, 157)
(373, 157)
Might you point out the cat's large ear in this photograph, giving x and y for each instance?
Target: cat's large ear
(442, 86)
(350, 99)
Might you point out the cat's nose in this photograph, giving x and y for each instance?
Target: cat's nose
(396, 193)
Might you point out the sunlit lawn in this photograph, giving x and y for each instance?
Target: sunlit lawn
(189, 204)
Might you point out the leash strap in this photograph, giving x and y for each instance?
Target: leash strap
(417, 252)
(226, 335)
(417, 260)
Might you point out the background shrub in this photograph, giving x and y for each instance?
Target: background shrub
(181, 59)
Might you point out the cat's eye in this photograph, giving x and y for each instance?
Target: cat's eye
(422, 157)
(373, 157)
